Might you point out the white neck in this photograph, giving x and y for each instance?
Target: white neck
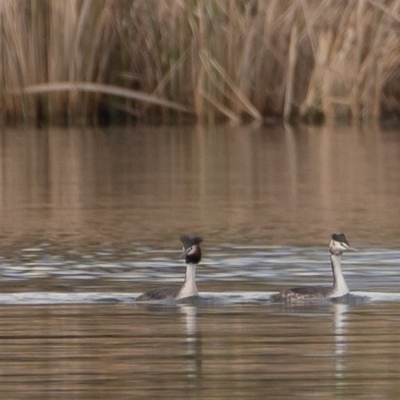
(339, 284)
(189, 287)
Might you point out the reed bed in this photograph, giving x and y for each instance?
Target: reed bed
(204, 60)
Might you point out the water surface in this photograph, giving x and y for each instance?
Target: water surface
(90, 218)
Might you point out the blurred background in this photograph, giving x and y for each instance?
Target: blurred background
(109, 61)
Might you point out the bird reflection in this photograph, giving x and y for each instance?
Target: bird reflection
(340, 340)
(193, 342)
(187, 308)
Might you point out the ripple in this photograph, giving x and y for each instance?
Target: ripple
(273, 267)
(205, 299)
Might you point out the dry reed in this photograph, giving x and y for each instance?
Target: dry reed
(215, 59)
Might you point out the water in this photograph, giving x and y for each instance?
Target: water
(91, 218)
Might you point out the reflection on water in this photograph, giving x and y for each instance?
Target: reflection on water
(114, 351)
(236, 185)
(340, 319)
(90, 218)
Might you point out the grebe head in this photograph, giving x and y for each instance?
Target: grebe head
(191, 249)
(339, 244)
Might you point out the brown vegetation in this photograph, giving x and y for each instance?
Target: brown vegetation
(209, 59)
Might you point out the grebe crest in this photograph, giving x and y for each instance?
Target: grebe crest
(337, 245)
(191, 249)
(192, 254)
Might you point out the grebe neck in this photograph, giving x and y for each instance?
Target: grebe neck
(339, 284)
(189, 287)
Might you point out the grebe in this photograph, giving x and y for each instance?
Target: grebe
(337, 246)
(192, 253)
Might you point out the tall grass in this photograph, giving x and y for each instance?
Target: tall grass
(214, 60)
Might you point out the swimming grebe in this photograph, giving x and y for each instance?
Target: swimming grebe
(192, 253)
(337, 246)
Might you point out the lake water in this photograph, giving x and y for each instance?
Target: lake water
(90, 218)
